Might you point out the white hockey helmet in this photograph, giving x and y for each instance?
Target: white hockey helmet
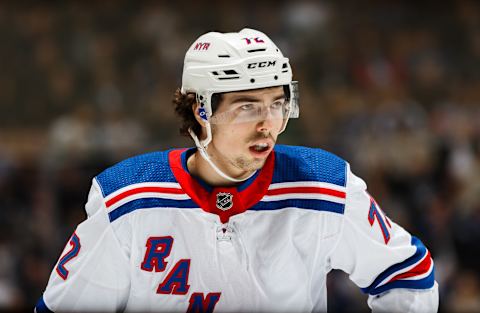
(224, 62)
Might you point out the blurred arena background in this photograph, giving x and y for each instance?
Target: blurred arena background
(392, 86)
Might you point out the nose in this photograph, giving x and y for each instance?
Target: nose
(265, 125)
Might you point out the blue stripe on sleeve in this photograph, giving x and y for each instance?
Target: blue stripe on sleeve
(312, 204)
(423, 283)
(148, 203)
(41, 307)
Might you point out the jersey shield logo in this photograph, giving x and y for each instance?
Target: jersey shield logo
(224, 201)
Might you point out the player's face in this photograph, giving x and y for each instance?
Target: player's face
(249, 127)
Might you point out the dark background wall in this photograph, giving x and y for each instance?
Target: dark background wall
(392, 86)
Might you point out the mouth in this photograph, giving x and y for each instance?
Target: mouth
(261, 149)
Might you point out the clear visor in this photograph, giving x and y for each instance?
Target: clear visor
(245, 112)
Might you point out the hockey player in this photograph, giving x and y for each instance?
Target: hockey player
(236, 223)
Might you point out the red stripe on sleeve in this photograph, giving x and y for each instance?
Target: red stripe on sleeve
(419, 269)
(142, 190)
(317, 190)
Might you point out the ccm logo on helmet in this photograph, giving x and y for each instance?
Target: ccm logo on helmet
(261, 64)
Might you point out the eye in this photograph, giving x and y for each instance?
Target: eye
(246, 107)
(277, 104)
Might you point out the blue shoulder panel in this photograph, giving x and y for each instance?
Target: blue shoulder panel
(293, 163)
(150, 167)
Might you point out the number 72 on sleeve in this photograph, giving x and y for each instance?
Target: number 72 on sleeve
(74, 242)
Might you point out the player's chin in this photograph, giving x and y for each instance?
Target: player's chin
(257, 164)
(249, 165)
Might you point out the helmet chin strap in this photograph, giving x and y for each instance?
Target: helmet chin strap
(202, 147)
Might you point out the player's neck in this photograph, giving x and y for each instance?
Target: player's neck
(199, 167)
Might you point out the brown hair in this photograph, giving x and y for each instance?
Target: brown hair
(184, 108)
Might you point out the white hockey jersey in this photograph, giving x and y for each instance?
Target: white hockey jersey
(158, 239)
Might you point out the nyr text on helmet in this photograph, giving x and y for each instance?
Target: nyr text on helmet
(202, 46)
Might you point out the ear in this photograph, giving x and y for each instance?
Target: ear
(195, 109)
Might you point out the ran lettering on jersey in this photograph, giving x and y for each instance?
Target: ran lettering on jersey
(176, 281)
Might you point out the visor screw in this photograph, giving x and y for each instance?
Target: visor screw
(275, 77)
(252, 80)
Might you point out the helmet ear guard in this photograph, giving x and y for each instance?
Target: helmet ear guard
(202, 112)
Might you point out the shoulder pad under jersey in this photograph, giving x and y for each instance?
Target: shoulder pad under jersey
(294, 163)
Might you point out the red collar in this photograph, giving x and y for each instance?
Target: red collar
(223, 201)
